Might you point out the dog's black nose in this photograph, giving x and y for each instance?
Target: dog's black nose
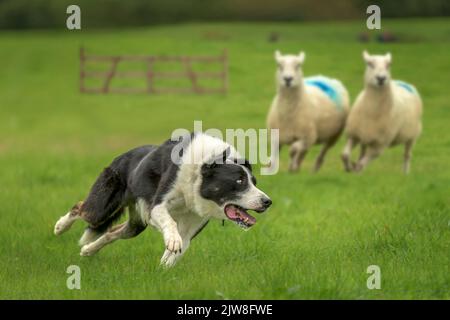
(381, 80)
(288, 80)
(266, 202)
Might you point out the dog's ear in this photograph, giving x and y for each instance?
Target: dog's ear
(207, 168)
(248, 165)
(244, 162)
(225, 154)
(220, 158)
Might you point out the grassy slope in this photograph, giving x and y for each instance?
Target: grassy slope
(323, 230)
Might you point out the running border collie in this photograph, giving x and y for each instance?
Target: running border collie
(209, 180)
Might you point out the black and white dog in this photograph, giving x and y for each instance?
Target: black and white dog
(178, 195)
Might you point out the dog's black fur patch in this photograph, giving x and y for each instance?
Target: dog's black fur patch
(109, 194)
(220, 182)
(148, 172)
(103, 204)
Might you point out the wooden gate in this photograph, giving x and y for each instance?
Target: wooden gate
(151, 76)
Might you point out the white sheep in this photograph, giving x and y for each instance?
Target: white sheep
(306, 111)
(386, 113)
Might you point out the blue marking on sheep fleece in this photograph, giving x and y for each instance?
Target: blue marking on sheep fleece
(327, 87)
(406, 86)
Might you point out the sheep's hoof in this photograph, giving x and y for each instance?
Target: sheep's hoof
(348, 167)
(357, 167)
(347, 164)
(318, 165)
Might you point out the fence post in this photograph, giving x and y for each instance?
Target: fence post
(111, 74)
(82, 59)
(225, 71)
(191, 74)
(150, 75)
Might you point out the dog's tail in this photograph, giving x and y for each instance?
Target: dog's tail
(104, 204)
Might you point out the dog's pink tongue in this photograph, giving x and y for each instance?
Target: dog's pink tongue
(236, 213)
(231, 212)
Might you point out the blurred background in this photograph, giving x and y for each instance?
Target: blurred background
(22, 14)
(323, 230)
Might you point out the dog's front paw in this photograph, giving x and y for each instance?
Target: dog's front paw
(357, 167)
(169, 259)
(173, 242)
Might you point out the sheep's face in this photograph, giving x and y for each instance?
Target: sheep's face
(289, 72)
(378, 73)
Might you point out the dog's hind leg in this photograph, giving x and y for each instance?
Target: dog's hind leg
(90, 235)
(65, 222)
(93, 232)
(103, 205)
(126, 230)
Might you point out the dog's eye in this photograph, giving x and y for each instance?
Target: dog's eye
(239, 181)
(371, 65)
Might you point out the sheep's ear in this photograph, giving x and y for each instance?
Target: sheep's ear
(277, 55)
(301, 57)
(388, 57)
(366, 56)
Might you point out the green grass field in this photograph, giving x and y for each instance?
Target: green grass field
(323, 230)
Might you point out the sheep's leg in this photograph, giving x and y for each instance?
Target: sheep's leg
(297, 153)
(347, 154)
(362, 152)
(407, 156)
(370, 154)
(321, 156)
(275, 157)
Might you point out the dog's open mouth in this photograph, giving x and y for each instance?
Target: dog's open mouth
(239, 215)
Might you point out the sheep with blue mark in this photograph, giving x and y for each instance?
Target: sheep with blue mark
(307, 111)
(385, 114)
